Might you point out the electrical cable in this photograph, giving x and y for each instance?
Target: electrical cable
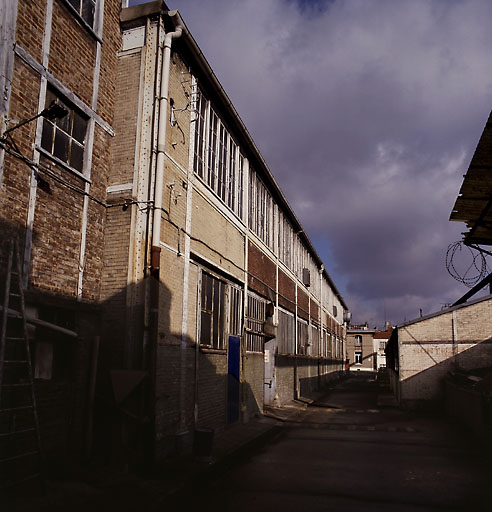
(37, 167)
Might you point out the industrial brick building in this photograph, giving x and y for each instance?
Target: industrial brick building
(245, 313)
(159, 251)
(53, 178)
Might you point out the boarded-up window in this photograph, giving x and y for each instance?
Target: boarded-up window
(286, 333)
(302, 337)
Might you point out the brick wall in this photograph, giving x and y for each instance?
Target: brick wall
(287, 292)
(58, 208)
(428, 350)
(262, 268)
(302, 304)
(125, 116)
(76, 72)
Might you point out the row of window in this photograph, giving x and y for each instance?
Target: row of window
(219, 163)
(217, 160)
(221, 314)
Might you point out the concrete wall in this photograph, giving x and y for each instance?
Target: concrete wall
(471, 409)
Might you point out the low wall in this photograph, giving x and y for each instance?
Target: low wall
(471, 409)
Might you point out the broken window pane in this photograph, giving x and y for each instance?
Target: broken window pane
(64, 138)
(47, 136)
(77, 156)
(60, 149)
(79, 127)
(213, 308)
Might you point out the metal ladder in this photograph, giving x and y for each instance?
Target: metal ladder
(20, 446)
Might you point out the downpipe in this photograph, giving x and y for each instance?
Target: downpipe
(155, 255)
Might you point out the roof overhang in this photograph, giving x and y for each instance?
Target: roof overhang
(474, 203)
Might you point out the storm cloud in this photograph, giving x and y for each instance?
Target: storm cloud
(368, 113)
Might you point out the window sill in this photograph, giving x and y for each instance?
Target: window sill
(81, 21)
(210, 350)
(62, 164)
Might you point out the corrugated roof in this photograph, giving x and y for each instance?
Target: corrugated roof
(474, 203)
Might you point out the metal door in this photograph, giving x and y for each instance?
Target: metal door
(233, 376)
(270, 383)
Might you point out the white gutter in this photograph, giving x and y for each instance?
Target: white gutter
(161, 133)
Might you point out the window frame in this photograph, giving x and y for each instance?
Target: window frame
(217, 158)
(57, 127)
(286, 332)
(302, 344)
(227, 319)
(92, 29)
(255, 319)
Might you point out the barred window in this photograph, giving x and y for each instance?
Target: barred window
(286, 332)
(216, 298)
(235, 311)
(254, 322)
(212, 312)
(65, 138)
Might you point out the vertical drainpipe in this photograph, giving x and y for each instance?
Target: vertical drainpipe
(321, 370)
(455, 340)
(156, 221)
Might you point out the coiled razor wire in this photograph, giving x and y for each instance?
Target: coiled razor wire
(477, 269)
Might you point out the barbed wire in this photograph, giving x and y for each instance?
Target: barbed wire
(477, 269)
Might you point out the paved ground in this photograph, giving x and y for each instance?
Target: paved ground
(349, 451)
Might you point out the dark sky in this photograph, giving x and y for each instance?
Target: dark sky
(368, 113)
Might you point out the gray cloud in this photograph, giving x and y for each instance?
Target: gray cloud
(368, 113)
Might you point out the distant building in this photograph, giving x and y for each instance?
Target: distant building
(380, 340)
(361, 352)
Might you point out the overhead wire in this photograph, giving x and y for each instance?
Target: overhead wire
(12, 149)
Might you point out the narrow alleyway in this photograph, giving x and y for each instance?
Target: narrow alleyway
(349, 451)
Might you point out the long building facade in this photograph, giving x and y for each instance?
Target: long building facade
(154, 234)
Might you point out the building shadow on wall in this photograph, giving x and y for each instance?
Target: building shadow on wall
(426, 388)
(141, 419)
